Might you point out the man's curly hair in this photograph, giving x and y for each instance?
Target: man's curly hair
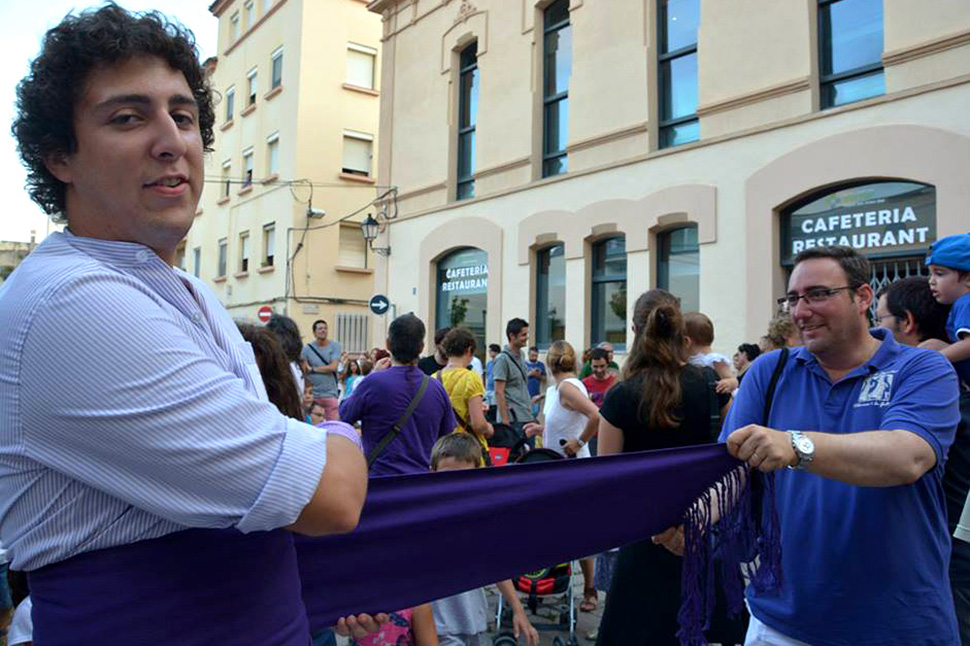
(48, 96)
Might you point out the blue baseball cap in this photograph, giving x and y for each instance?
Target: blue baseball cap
(952, 252)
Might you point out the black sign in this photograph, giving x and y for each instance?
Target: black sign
(379, 304)
(886, 218)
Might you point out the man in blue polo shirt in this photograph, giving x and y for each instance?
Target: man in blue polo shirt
(865, 424)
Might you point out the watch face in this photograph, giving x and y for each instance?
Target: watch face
(804, 445)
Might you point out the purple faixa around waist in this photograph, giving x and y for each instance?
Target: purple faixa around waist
(194, 587)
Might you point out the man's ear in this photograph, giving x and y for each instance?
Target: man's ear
(59, 166)
(909, 323)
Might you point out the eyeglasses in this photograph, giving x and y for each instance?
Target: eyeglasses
(884, 316)
(812, 297)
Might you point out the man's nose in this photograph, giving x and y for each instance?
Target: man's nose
(169, 140)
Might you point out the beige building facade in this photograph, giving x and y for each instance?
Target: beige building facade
(293, 169)
(555, 159)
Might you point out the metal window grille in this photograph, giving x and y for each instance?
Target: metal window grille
(889, 271)
(352, 332)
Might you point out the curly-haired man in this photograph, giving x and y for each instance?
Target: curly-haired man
(145, 494)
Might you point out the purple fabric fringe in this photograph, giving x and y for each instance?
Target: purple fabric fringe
(744, 543)
(429, 536)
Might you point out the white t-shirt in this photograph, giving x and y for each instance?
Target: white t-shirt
(708, 360)
(562, 423)
(476, 365)
(22, 627)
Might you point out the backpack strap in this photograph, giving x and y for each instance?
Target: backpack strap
(713, 408)
(401, 421)
(770, 393)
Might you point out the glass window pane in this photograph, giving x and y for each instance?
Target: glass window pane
(679, 267)
(683, 133)
(556, 127)
(557, 12)
(469, 55)
(466, 154)
(462, 293)
(551, 295)
(558, 62)
(360, 69)
(466, 190)
(278, 71)
(609, 313)
(468, 99)
(679, 83)
(555, 166)
(680, 19)
(853, 28)
(609, 258)
(855, 89)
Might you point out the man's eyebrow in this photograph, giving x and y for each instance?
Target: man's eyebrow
(143, 99)
(810, 288)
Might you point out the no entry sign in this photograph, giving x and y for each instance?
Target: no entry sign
(264, 313)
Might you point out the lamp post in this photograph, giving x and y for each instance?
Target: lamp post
(370, 228)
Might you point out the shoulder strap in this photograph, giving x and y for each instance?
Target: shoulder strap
(770, 394)
(525, 376)
(713, 408)
(317, 352)
(466, 426)
(401, 421)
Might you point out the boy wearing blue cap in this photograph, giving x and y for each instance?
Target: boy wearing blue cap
(949, 263)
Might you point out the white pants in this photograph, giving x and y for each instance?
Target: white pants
(761, 635)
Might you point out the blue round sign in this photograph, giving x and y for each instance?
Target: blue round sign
(379, 304)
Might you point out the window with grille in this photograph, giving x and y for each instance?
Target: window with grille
(352, 332)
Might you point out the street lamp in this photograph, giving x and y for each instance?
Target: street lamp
(370, 228)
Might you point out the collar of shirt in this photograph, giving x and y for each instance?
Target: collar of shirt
(885, 354)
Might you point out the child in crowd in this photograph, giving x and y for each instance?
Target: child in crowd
(700, 334)
(949, 263)
(461, 620)
(351, 375)
(413, 627)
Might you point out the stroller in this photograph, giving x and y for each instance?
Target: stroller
(551, 583)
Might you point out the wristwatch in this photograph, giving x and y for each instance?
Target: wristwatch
(804, 449)
(580, 441)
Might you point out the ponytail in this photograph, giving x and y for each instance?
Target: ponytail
(658, 354)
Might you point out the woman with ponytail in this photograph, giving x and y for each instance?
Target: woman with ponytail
(662, 402)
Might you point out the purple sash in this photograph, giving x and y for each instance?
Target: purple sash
(196, 587)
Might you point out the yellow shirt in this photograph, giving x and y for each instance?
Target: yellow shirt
(461, 385)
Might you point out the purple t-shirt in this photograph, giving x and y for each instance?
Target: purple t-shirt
(380, 400)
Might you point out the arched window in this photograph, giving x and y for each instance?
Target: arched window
(609, 292)
(550, 322)
(462, 292)
(679, 266)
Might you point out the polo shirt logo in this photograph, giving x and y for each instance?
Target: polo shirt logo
(877, 389)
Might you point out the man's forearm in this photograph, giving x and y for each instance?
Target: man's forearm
(873, 458)
(503, 407)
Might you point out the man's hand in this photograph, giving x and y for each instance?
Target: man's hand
(762, 448)
(521, 624)
(725, 386)
(532, 429)
(383, 364)
(571, 448)
(672, 538)
(361, 625)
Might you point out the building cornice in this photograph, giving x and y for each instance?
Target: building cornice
(607, 137)
(772, 92)
(217, 7)
(927, 48)
(254, 26)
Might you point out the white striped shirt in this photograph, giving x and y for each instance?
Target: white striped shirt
(130, 408)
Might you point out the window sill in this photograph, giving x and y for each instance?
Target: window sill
(354, 270)
(268, 269)
(219, 279)
(363, 90)
(245, 189)
(269, 180)
(223, 200)
(248, 111)
(226, 125)
(363, 179)
(272, 93)
(240, 274)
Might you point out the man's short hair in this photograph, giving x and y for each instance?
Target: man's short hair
(459, 446)
(318, 322)
(514, 327)
(853, 263)
(913, 295)
(440, 334)
(458, 341)
(700, 328)
(48, 96)
(750, 350)
(598, 353)
(405, 337)
(494, 347)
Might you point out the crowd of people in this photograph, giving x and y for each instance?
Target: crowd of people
(153, 496)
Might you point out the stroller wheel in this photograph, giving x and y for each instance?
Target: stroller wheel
(505, 640)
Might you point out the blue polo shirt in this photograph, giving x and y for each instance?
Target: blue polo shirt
(863, 566)
(958, 328)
